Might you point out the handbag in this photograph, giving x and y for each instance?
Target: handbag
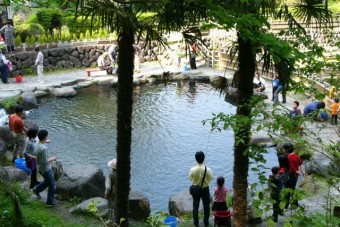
(195, 190)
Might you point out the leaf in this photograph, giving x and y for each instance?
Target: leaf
(258, 213)
(256, 203)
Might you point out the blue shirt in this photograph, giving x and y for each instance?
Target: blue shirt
(310, 107)
(276, 83)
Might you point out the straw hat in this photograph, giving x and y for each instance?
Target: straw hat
(112, 164)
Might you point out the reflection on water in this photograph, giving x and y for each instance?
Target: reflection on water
(167, 131)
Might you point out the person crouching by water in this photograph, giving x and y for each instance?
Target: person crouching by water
(31, 159)
(104, 63)
(196, 175)
(110, 190)
(45, 169)
(259, 84)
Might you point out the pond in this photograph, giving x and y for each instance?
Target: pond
(167, 131)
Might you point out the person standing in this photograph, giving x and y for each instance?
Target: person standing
(220, 195)
(295, 169)
(3, 68)
(8, 29)
(18, 129)
(31, 160)
(39, 63)
(193, 60)
(276, 83)
(335, 111)
(196, 175)
(276, 186)
(45, 169)
(110, 190)
(112, 55)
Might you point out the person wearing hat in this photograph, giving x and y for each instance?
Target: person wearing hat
(110, 189)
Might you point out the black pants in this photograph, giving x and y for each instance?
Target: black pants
(293, 177)
(205, 195)
(10, 49)
(34, 180)
(4, 73)
(334, 119)
(276, 208)
(193, 63)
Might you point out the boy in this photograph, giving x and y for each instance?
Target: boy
(335, 110)
(276, 187)
(45, 169)
(295, 114)
(18, 129)
(295, 169)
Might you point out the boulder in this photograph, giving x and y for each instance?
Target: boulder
(31, 124)
(22, 55)
(181, 204)
(57, 170)
(101, 206)
(83, 181)
(40, 94)
(16, 174)
(65, 92)
(3, 174)
(76, 62)
(320, 164)
(3, 149)
(29, 101)
(139, 206)
(6, 135)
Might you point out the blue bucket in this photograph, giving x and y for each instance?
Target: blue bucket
(185, 68)
(170, 221)
(20, 163)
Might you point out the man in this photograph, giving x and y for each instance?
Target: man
(295, 169)
(196, 174)
(17, 126)
(39, 61)
(45, 169)
(258, 83)
(112, 55)
(104, 64)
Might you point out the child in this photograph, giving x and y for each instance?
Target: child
(110, 189)
(276, 187)
(335, 110)
(220, 194)
(295, 114)
(31, 160)
(45, 169)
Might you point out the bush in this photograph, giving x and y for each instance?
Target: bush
(50, 19)
(81, 37)
(25, 30)
(9, 102)
(79, 25)
(87, 35)
(18, 40)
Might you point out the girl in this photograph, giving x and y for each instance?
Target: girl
(31, 161)
(220, 195)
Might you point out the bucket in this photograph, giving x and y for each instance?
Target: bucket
(18, 79)
(185, 68)
(21, 164)
(170, 221)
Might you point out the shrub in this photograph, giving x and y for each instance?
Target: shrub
(18, 40)
(50, 19)
(88, 35)
(81, 37)
(9, 102)
(79, 25)
(55, 36)
(74, 37)
(25, 30)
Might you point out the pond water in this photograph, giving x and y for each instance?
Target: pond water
(167, 131)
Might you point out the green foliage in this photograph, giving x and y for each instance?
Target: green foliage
(33, 40)
(9, 102)
(88, 34)
(55, 36)
(81, 37)
(74, 37)
(27, 30)
(75, 200)
(18, 40)
(156, 220)
(80, 25)
(50, 18)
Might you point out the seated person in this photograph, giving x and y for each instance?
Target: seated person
(259, 83)
(104, 62)
(316, 110)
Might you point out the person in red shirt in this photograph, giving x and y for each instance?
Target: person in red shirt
(18, 129)
(295, 169)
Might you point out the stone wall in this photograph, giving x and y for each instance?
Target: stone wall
(67, 57)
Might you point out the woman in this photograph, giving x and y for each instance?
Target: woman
(3, 68)
(9, 36)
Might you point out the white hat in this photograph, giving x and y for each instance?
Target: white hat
(112, 164)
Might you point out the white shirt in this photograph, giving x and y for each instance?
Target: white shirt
(101, 60)
(40, 58)
(3, 58)
(258, 81)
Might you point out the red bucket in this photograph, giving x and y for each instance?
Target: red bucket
(18, 79)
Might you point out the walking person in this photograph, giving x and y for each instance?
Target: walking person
(45, 169)
(31, 159)
(335, 111)
(110, 190)
(39, 63)
(276, 83)
(200, 175)
(3, 68)
(276, 186)
(18, 129)
(8, 30)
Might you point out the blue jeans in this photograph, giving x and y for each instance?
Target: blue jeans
(49, 182)
(205, 195)
(4, 73)
(276, 93)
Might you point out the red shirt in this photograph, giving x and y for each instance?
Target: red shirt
(16, 124)
(294, 162)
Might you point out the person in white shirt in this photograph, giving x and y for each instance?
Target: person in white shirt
(104, 63)
(39, 63)
(3, 68)
(259, 84)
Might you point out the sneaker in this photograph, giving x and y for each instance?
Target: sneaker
(36, 193)
(51, 204)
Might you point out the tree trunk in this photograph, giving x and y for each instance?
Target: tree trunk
(124, 119)
(246, 72)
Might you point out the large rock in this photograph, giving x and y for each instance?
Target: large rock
(28, 101)
(6, 135)
(57, 170)
(16, 174)
(82, 181)
(3, 149)
(181, 204)
(76, 62)
(3, 174)
(139, 206)
(101, 205)
(65, 92)
(320, 164)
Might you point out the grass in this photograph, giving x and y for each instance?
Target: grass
(9, 102)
